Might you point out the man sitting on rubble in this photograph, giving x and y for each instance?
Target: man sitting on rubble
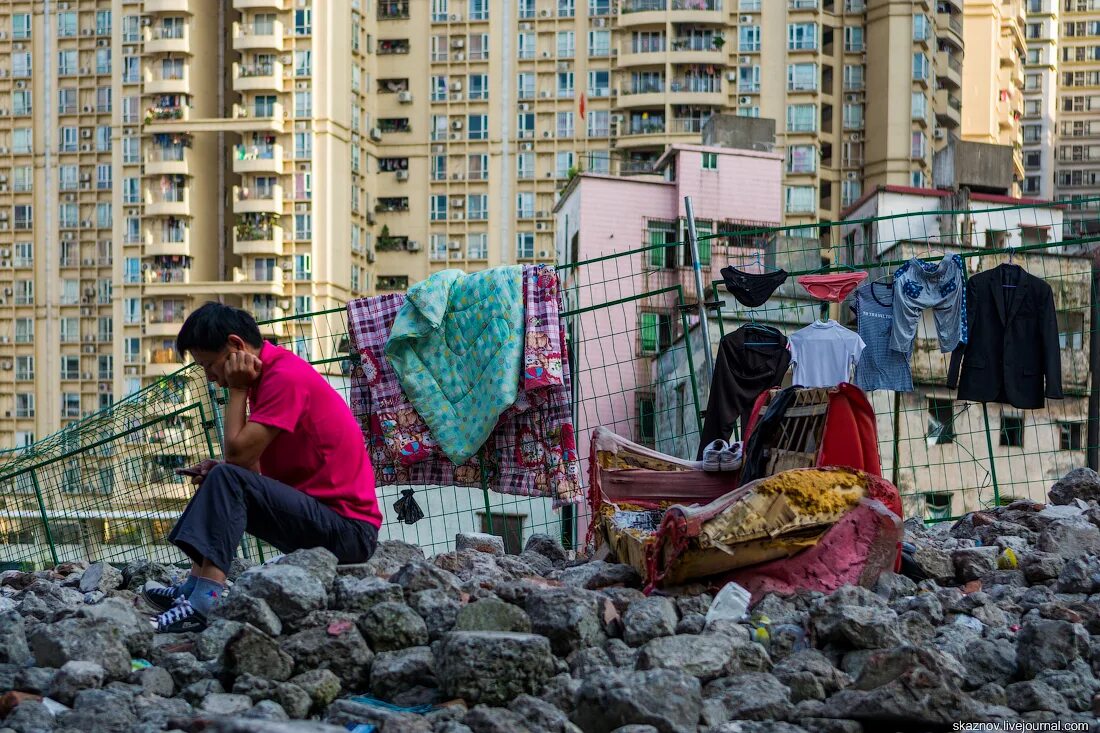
(296, 472)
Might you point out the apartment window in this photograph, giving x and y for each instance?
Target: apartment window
(67, 177)
(479, 9)
(941, 421)
(525, 245)
(710, 161)
(439, 11)
(748, 79)
(24, 254)
(439, 167)
(24, 404)
(303, 267)
(66, 63)
(801, 36)
(850, 191)
(1033, 107)
(656, 332)
(1035, 56)
(131, 190)
(479, 46)
(20, 26)
(748, 38)
(103, 22)
(565, 85)
(525, 205)
(303, 22)
(66, 101)
(133, 230)
(919, 106)
(525, 165)
(22, 102)
(24, 216)
(303, 63)
(131, 311)
(853, 77)
(303, 104)
(131, 150)
(567, 44)
(103, 214)
(749, 5)
(106, 364)
(131, 350)
(1032, 185)
(70, 367)
(477, 127)
(525, 45)
(1012, 431)
(920, 67)
(1033, 159)
(21, 65)
(24, 368)
(563, 163)
(131, 69)
(599, 84)
(599, 7)
(106, 326)
(599, 43)
(566, 9)
(477, 206)
(131, 29)
(103, 139)
(303, 226)
(478, 86)
(645, 406)
(66, 25)
(853, 39)
(22, 140)
(802, 159)
(477, 246)
(525, 85)
(918, 145)
(131, 109)
(437, 248)
(69, 329)
(921, 28)
(1070, 436)
(1033, 82)
(103, 99)
(303, 145)
(565, 124)
(599, 123)
(800, 199)
(853, 116)
(1032, 133)
(801, 117)
(801, 77)
(437, 207)
(24, 330)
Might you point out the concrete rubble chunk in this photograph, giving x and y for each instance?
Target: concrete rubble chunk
(361, 594)
(609, 701)
(480, 542)
(569, 617)
(102, 577)
(1080, 483)
(548, 547)
(252, 651)
(648, 619)
(598, 574)
(317, 561)
(492, 667)
(84, 640)
(344, 651)
(74, 677)
(248, 609)
(389, 626)
(292, 592)
(492, 614)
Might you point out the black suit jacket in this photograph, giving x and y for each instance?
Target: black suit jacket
(1012, 353)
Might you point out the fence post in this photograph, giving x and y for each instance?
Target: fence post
(894, 469)
(45, 518)
(485, 492)
(992, 461)
(700, 291)
(1093, 426)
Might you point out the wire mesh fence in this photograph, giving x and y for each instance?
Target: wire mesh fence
(105, 487)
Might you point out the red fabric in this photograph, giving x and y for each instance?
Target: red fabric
(833, 287)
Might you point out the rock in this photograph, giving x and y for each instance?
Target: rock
(883, 667)
(588, 661)
(74, 677)
(1070, 538)
(989, 661)
(100, 710)
(568, 617)
(705, 656)
(420, 576)
(548, 547)
(691, 623)
(598, 574)
(1034, 695)
(290, 591)
(237, 566)
(293, 699)
(475, 568)
(31, 716)
(541, 717)
(83, 640)
(184, 668)
(1080, 483)
(253, 652)
(492, 667)
(196, 692)
(321, 685)
(635, 729)
(609, 701)
(345, 712)
(480, 542)
(746, 697)
(971, 563)
(37, 680)
(539, 563)
(123, 619)
(394, 672)
(438, 608)
(810, 676)
(266, 710)
(362, 594)
(492, 614)
(1039, 567)
(13, 639)
(620, 654)
(389, 626)
(102, 577)
(484, 719)
(154, 681)
(935, 563)
(1080, 575)
(561, 692)
(214, 639)
(859, 627)
(248, 610)
(894, 585)
(648, 619)
(345, 653)
(317, 561)
(1043, 645)
(224, 703)
(389, 557)
(248, 725)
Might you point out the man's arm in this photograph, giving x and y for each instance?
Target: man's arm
(244, 441)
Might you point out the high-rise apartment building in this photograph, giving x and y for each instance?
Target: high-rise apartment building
(1076, 148)
(1040, 114)
(995, 85)
(286, 156)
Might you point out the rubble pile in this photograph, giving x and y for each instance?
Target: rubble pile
(1004, 627)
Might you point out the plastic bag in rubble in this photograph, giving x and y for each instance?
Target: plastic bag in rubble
(408, 511)
(730, 604)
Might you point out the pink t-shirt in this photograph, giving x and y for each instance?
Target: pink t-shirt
(319, 449)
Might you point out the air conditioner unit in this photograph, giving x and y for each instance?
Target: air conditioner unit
(101, 43)
(731, 76)
(456, 176)
(525, 26)
(456, 124)
(540, 225)
(86, 133)
(458, 202)
(104, 386)
(402, 175)
(85, 71)
(67, 235)
(456, 17)
(7, 291)
(405, 97)
(20, 84)
(454, 245)
(5, 253)
(852, 176)
(545, 13)
(746, 59)
(86, 148)
(600, 22)
(744, 100)
(88, 262)
(524, 106)
(85, 311)
(412, 246)
(547, 134)
(456, 215)
(543, 254)
(86, 375)
(563, 66)
(458, 43)
(3, 188)
(460, 56)
(376, 133)
(746, 18)
(456, 85)
(456, 96)
(89, 349)
(86, 223)
(546, 54)
(856, 137)
(527, 146)
(939, 133)
(70, 197)
(544, 94)
(4, 151)
(86, 177)
(7, 364)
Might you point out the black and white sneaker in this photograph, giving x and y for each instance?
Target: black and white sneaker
(180, 619)
(161, 597)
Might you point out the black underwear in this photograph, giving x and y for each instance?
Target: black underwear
(752, 289)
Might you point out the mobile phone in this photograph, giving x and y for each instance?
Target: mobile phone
(188, 472)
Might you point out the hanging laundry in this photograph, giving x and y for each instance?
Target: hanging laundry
(834, 286)
(750, 360)
(824, 353)
(879, 367)
(542, 354)
(1012, 355)
(937, 285)
(752, 289)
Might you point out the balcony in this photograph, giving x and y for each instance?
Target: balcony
(167, 84)
(393, 10)
(265, 77)
(258, 283)
(164, 244)
(643, 94)
(698, 50)
(643, 133)
(172, 203)
(176, 7)
(248, 200)
(164, 323)
(258, 158)
(643, 54)
(950, 24)
(633, 13)
(167, 281)
(162, 362)
(948, 69)
(160, 39)
(259, 4)
(390, 47)
(697, 11)
(168, 161)
(253, 239)
(697, 91)
(258, 37)
(948, 109)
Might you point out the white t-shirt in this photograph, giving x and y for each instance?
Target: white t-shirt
(823, 354)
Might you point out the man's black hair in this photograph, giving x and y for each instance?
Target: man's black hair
(209, 327)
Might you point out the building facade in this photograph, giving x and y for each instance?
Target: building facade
(1076, 150)
(1039, 126)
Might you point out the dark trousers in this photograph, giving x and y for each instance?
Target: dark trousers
(232, 500)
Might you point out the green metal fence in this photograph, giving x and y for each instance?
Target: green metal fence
(105, 488)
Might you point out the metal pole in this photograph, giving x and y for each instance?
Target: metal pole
(704, 319)
(992, 461)
(1093, 426)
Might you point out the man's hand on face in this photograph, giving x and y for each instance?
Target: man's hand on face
(242, 370)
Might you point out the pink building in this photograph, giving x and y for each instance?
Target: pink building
(634, 293)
